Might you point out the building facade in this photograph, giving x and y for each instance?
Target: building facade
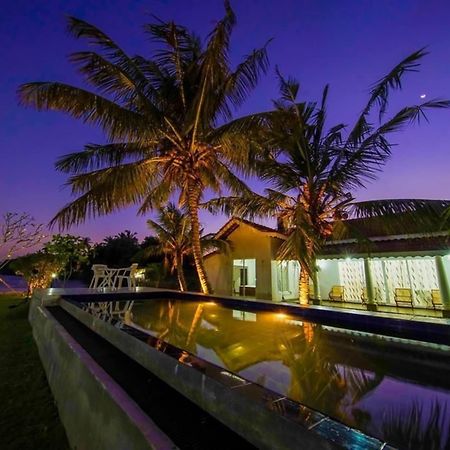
(384, 269)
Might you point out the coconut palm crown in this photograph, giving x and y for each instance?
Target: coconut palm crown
(312, 169)
(165, 119)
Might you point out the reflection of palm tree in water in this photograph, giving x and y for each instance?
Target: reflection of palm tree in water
(175, 329)
(414, 428)
(195, 326)
(322, 384)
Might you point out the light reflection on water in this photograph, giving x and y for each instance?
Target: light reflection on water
(363, 382)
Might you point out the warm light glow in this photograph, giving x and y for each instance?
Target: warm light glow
(280, 316)
(210, 303)
(54, 275)
(140, 274)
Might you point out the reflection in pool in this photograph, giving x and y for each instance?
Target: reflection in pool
(363, 380)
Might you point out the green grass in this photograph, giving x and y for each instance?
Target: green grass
(28, 415)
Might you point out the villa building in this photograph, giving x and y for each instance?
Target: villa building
(389, 269)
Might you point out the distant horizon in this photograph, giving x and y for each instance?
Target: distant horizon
(347, 45)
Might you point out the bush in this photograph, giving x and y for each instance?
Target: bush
(37, 269)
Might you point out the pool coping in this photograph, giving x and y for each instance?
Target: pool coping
(431, 330)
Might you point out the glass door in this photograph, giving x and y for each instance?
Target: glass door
(244, 277)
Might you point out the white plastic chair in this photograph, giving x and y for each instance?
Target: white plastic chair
(129, 274)
(100, 276)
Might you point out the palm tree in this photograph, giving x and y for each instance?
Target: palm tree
(313, 169)
(173, 231)
(174, 240)
(165, 119)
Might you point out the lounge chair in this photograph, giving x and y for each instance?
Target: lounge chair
(436, 299)
(403, 297)
(336, 294)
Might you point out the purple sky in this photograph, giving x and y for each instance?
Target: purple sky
(347, 43)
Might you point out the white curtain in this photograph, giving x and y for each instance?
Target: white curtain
(418, 274)
(351, 275)
(378, 280)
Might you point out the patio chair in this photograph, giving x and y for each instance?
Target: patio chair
(436, 299)
(403, 297)
(100, 276)
(336, 294)
(127, 273)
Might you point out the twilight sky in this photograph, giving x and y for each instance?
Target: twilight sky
(347, 43)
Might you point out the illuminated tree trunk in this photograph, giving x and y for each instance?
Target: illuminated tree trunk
(180, 274)
(193, 201)
(303, 285)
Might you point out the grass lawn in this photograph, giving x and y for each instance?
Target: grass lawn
(28, 416)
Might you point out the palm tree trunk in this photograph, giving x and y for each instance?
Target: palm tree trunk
(193, 201)
(180, 274)
(303, 285)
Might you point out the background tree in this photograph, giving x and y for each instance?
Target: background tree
(18, 232)
(173, 230)
(313, 169)
(38, 269)
(70, 251)
(165, 118)
(117, 251)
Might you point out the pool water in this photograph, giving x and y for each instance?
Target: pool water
(398, 391)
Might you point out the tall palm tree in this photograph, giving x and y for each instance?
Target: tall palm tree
(313, 168)
(165, 119)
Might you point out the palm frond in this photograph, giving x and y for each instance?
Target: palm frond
(104, 191)
(116, 121)
(380, 92)
(95, 37)
(246, 76)
(97, 156)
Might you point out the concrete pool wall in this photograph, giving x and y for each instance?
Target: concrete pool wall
(95, 411)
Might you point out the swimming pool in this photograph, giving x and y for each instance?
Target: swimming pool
(395, 389)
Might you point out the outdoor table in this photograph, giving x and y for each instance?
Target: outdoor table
(109, 278)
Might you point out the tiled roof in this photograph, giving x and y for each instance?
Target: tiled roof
(366, 235)
(234, 222)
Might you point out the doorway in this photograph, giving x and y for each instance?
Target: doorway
(244, 277)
